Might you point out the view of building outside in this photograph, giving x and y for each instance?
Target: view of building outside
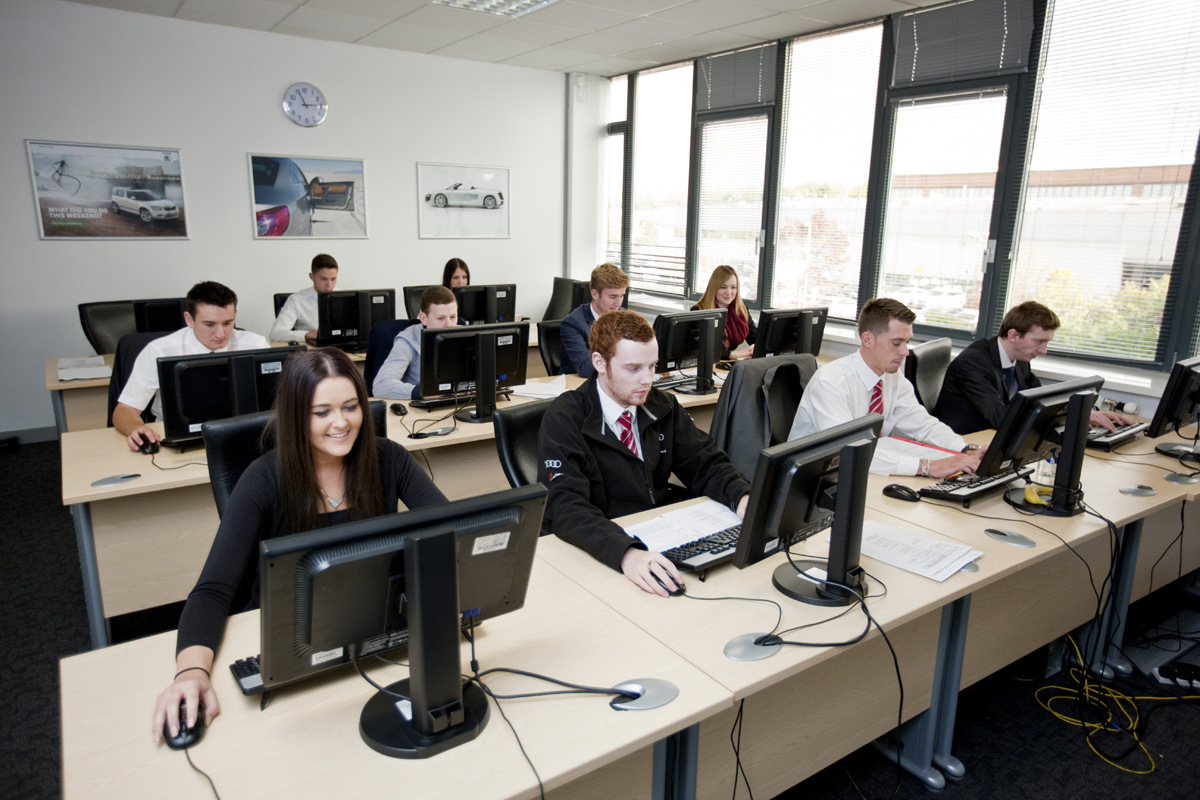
(824, 170)
(614, 168)
(1116, 126)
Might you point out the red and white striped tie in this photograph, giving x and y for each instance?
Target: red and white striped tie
(625, 423)
(877, 399)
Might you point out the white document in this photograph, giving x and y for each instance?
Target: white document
(542, 390)
(684, 525)
(83, 369)
(929, 558)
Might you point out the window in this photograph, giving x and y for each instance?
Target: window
(615, 168)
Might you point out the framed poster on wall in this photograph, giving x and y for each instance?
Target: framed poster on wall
(462, 202)
(319, 198)
(97, 191)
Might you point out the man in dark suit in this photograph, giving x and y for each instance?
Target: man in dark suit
(981, 382)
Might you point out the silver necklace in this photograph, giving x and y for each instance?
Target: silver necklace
(333, 503)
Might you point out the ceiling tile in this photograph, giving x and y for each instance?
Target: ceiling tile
(402, 35)
(162, 8)
(716, 42)
(261, 15)
(713, 13)
(601, 44)
(788, 5)
(778, 27)
(652, 30)
(551, 58)
(638, 7)
(577, 17)
(521, 31)
(485, 48)
(376, 9)
(613, 66)
(331, 24)
(454, 19)
(664, 53)
(843, 12)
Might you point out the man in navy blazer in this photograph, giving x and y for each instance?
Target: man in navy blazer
(981, 382)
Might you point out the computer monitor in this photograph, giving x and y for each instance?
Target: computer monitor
(782, 331)
(1178, 408)
(1038, 422)
(382, 303)
(486, 304)
(198, 388)
(344, 318)
(162, 315)
(801, 488)
(690, 339)
(338, 594)
(479, 359)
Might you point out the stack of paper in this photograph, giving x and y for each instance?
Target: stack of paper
(929, 558)
(684, 525)
(542, 390)
(83, 369)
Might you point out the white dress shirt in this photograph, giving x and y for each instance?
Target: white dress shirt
(840, 392)
(143, 379)
(612, 411)
(298, 316)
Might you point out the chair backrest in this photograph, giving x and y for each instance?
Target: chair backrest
(925, 369)
(517, 429)
(783, 398)
(105, 323)
(379, 345)
(412, 300)
(128, 349)
(550, 345)
(567, 295)
(280, 299)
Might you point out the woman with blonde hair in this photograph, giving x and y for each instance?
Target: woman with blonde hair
(724, 291)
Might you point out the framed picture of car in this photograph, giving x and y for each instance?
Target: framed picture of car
(462, 202)
(320, 198)
(98, 191)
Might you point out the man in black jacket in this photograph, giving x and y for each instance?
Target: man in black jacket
(981, 382)
(608, 448)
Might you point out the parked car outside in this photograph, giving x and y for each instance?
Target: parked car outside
(457, 195)
(144, 203)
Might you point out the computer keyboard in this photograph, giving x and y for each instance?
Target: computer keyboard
(247, 675)
(716, 548)
(1107, 440)
(674, 380)
(459, 399)
(968, 487)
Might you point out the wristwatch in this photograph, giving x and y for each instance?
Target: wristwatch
(971, 447)
(923, 470)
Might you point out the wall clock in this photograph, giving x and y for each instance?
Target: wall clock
(305, 105)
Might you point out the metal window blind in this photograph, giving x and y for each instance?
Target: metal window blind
(967, 39)
(1114, 139)
(732, 80)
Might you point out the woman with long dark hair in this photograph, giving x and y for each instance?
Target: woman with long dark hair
(327, 468)
(456, 273)
(725, 291)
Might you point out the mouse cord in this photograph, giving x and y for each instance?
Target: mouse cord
(187, 752)
(180, 466)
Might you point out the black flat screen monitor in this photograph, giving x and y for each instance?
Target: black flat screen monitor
(486, 304)
(337, 594)
(581, 292)
(783, 331)
(462, 359)
(161, 315)
(1179, 406)
(344, 318)
(801, 488)
(199, 388)
(382, 303)
(690, 339)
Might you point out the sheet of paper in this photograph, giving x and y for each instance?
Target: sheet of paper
(543, 389)
(85, 361)
(929, 558)
(684, 525)
(83, 369)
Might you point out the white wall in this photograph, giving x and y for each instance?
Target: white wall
(80, 73)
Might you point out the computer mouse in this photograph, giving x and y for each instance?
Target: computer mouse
(186, 736)
(398, 409)
(672, 590)
(901, 492)
(148, 448)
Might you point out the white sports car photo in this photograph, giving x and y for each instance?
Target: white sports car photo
(459, 195)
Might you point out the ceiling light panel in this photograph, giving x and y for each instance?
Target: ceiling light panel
(501, 8)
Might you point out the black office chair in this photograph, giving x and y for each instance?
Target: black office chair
(280, 299)
(925, 369)
(517, 429)
(783, 398)
(106, 322)
(128, 349)
(379, 346)
(412, 300)
(550, 345)
(568, 295)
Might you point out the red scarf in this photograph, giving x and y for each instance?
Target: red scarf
(736, 329)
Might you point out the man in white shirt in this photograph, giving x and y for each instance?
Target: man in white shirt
(212, 309)
(297, 320)
(399, 377)
(869, 381)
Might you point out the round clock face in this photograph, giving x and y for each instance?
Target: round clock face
(305, 105)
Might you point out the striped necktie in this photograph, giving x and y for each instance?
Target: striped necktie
(877, 399)
(625, 423)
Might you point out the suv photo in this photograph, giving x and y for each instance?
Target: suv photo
(143, 202)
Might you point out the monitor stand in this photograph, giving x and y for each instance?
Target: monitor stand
(704, 362)
(485, 381)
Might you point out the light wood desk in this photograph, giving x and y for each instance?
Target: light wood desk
(306, 743)
(78, 405)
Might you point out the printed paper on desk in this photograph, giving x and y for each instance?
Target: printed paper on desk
(542, 390)
(83, 369)
(684, 525)
(929, 558)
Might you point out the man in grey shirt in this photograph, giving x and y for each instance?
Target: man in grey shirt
(399, 378)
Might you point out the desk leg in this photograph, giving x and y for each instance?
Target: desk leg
(86, 542)
(675, 759)
(60, 411)
(926, 738)
(1105, 658)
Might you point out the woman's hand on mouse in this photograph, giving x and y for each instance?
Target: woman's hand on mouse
(193, 684)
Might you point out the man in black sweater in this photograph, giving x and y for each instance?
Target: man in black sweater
(608, 448)
(981, 382)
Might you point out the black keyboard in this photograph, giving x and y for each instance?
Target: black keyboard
(247, 674)
(1107, 440)
(968, 487)
(716, 548)
(674, 380)
(459, 399)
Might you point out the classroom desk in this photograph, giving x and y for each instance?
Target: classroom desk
(78, 405)
(306, 743)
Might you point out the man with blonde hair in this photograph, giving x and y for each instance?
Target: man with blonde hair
(608, 291)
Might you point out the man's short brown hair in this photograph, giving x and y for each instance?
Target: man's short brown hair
(323, 261)
(614, 326)
(1025, 316)
(879, 312)
(436, 296)
(609, 276)
(210, 293)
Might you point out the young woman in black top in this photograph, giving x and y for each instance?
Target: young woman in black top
(328, 468)
(456, 273)
(725, 291)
